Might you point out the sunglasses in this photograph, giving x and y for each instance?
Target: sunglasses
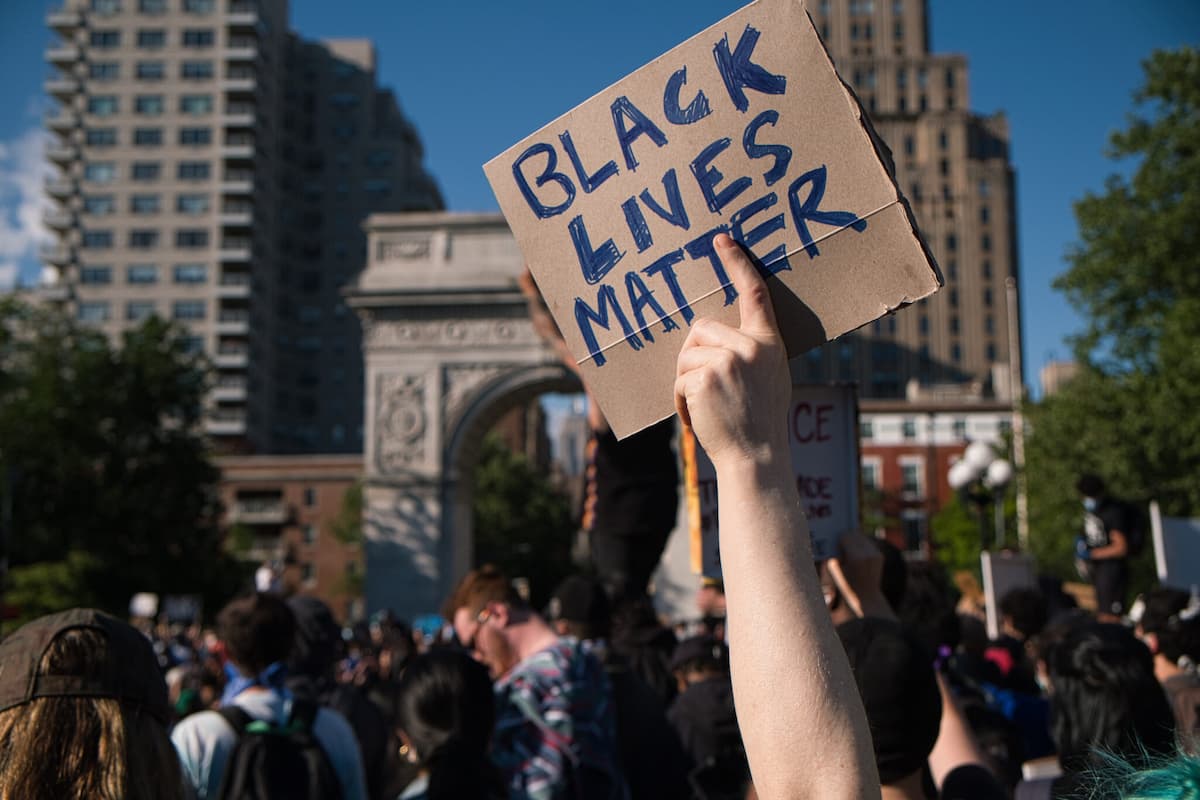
(480, 618)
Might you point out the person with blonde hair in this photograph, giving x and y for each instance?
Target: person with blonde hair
(84, 713)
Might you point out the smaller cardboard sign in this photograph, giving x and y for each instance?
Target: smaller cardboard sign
(745, 128)
(1003, 572)
(1176, 549)
(823, 432)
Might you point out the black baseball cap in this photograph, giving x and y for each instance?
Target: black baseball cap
(129, 674)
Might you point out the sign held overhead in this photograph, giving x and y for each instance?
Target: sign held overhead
(744, 129)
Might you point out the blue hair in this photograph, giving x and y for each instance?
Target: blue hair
(1175, 778)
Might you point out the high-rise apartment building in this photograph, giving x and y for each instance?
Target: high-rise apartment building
(953, 167)
(215, 169)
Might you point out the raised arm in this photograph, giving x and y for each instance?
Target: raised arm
(799, 711)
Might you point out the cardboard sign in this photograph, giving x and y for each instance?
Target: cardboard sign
(747, 129)
(1176, 549)
(1003, 572)
(823, 432)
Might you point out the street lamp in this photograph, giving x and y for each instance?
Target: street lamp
(980, 478)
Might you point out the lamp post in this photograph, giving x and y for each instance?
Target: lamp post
(980, 477)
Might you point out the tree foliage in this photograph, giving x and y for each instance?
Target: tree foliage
(522, 523)
(109, 481)
(1132, 415)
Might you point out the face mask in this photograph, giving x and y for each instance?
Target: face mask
(1089, 503)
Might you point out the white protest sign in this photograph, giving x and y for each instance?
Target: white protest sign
(747, 129)
(1176, 549)
(823, 432)
(1003, 572)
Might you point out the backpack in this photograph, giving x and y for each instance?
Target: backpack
(273, 762)
(1135, 529)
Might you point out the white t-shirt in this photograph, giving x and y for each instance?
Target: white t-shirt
(205, 741)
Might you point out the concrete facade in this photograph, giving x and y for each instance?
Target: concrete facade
(215, 168)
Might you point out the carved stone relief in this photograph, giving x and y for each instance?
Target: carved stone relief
(460, 381)
(400, 423)
(449, 333)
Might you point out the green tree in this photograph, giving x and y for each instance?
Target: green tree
(109, 482)
(522, 523)
(1131, 414)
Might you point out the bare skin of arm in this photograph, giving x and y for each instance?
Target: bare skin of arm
(1117, 547)
(798, 708)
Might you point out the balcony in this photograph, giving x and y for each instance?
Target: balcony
(60, 188)
(236, 249)
(64, 54)
(225, 423)
(232, 359)
(64, 20)
(234, 285)
(242, 48)
(238, 146)
(61, 153)
(58, 219)
(57, 254)
(230, 388)
(233, 321)
(62, 88)
(237, 181)
(240, 115)
(62, 119)
(239, 215)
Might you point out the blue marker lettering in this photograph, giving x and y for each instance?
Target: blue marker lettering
(708, 177)
(594, 264)
(774, 261)
(622, 108)
(542, 210)
(589, 183)
(665, 266)
(781, 152)
(677, 216)
(585, 316)
(640, 297)
(739, 72)
(698, 109)
(636, 221)
(802, 213)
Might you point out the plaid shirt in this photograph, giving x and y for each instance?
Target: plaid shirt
(555, 731)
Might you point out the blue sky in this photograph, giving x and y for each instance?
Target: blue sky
(475, 77)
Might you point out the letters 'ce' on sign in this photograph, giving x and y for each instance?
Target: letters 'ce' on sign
(744, 128)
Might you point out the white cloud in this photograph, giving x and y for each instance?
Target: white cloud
(8, 276)
(23, 171)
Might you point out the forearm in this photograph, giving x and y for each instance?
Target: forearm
(798, 707)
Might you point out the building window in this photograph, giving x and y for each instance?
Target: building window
(989, 324)
(152, 7)
(144, 204)
(985, 242)
(952, 298)
(198, 6)
(195, 137)
(147, 137)
(870, 476)
(96, 311)
(310, 497)
(144, 171)
(106, 7)
(984, 187)
(151, 38)
(188, 309)
(951, 242)
(143, 239)
(310, 534)
(956, 353)
(985, 214)
(923, 325)
(103, 105)
(192, 344)
(987, 270)
(138, 310)
(960, 429)
(908, 429)
(952, 270)
(866, 429)
(954, 327)
(95, 275)
(99, 204)
(105, 40)
(196, 104)
(101, 137)
(141, 274)
(913, 523)
(97, 240)
(196, 70)
(308, 572)
(104, 71)
(191, 273)
(198, 37)
(192, 204)
(151, 71)
(910, 478)
(193, 170)
(150, 105)
(990, 351)
(191, 239)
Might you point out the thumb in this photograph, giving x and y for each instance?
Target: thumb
(754, 300)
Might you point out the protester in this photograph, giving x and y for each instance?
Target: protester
(1168, 622)
(1104, 546)
(555, 730)
(445, 721)
(801, 719)
(703, 715)
(258, 632)
(83, 713)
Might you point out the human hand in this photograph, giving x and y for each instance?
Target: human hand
(857, 572)
(732, 385)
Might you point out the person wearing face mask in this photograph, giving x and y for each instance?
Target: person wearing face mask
(1105, 546)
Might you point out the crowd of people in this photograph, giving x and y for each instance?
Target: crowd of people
(861, 677)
